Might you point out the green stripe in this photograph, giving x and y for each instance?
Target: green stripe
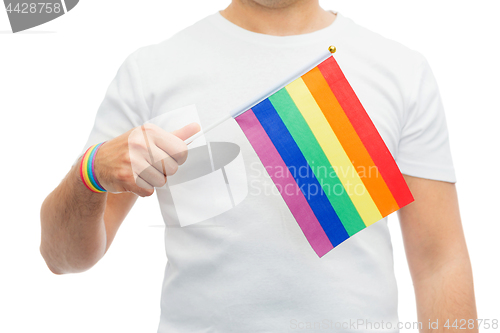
(322, 169)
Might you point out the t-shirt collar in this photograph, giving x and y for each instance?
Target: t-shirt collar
(258, 38)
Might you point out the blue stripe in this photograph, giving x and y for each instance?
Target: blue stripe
(91, 171)
(301, 171)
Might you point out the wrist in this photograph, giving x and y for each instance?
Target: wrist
(87, 169)
(95, 174)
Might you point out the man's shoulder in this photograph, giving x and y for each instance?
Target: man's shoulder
(374, 48)
(179, 45)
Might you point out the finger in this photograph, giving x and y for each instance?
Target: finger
(158, 156)
(169, 166)
(187, 131)
(146, 140)
(143, 188)
(151, 175)
(172, 145)
(141, 143)
(162, 162)
(140, 159)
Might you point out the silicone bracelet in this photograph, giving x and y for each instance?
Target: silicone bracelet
(87, 172)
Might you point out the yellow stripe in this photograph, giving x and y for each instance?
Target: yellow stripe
(333, 150)
(85, 172)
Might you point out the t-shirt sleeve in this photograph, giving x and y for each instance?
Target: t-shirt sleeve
(424, 148)
(124, 106)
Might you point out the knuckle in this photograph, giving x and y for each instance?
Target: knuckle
(163, 182)
(126, 159)
(123, 176)
(182, 156)
(155, 182)
(148, 127)
(171, 168)
(136, 142)
(159, 183)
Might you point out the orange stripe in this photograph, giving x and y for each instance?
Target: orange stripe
(351, 142)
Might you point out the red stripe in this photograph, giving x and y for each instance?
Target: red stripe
(366, 131)
(284, 181)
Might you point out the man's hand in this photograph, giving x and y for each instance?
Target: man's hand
(79, 225)
(142, 158)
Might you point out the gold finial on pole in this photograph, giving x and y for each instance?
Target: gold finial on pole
(332, 49)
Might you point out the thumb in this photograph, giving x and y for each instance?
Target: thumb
(187, 131)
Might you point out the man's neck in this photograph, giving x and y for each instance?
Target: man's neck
(298, 18)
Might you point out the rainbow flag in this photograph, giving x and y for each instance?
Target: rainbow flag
(325, 156)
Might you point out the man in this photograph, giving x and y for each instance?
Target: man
(250, 269)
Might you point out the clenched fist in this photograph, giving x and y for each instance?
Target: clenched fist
(142, 158)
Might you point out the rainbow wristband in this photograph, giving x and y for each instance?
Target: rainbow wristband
(87, 169)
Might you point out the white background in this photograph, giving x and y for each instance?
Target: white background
(53, 78)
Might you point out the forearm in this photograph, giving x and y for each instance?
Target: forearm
(446, 294)
(73, 235)
(438, 257)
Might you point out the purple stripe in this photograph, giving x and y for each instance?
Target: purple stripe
(285, 183)
(99, 186)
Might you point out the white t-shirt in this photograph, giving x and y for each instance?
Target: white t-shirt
(249, 268)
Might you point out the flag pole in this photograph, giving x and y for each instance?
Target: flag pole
(244, 107)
